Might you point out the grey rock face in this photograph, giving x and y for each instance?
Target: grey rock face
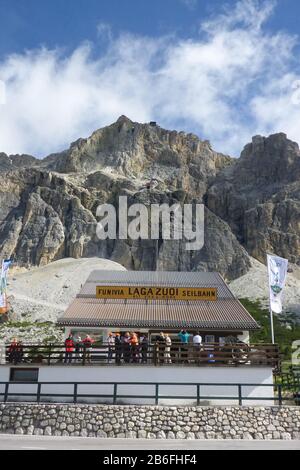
(13, 162)
(259, 197)
(48, 207)
(48, 211)
(132, 148)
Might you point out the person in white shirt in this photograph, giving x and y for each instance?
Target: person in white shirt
(197, 339)
(168, 342)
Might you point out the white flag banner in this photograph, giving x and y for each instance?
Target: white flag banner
(3, 282)
(2, 300)
(277, 269)
(5, 267)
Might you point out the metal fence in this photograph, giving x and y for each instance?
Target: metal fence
(199, 395)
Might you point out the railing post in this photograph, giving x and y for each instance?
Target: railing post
(156, 393)
(240, 395)
(38, 393)
(115, 393)
(155, 353)
(75, 392)
(280, 394)
(198, 394)
(6, 391)
(49, 355)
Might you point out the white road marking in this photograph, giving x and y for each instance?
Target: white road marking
(34, 448)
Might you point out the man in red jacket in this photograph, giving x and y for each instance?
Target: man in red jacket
(69, 346)
(87, 347)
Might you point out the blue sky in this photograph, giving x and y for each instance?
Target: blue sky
(27, 24)
(223, 69)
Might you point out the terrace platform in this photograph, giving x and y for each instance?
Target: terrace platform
(234, 374)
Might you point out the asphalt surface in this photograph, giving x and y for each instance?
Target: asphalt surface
(19, 442)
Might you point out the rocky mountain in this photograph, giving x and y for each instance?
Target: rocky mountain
(259, 197)
(252, 204)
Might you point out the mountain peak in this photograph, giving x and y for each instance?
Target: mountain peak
(134, 149)
(271, 159)
(122, 119)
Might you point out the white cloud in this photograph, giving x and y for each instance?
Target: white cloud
(191, 4)
(250, 13)
(233, 81)
(104, 31)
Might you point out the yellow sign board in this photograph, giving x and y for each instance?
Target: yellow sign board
(156, 293)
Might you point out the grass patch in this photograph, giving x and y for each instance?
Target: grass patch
(284, 337)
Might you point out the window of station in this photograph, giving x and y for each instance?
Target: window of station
(23, 375)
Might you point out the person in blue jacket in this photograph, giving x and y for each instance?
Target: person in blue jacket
(184, 338)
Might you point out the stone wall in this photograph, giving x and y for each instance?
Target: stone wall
(151, 422)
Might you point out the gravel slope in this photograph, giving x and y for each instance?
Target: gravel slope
(254, 286)
(45, 292)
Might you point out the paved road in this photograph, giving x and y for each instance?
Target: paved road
(15, 442)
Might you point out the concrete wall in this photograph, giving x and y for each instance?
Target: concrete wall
(151, 422)
(161, 374)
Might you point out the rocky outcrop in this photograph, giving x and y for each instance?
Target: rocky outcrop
(180, 160)
(52, 217)
(13, 162)
(48, 207)
(259, 197)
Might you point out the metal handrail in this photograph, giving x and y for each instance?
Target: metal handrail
(75, 396)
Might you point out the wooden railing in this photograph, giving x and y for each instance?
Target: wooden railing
(207, 354)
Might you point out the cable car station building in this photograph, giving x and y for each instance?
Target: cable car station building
(226, 364)
(153, 301)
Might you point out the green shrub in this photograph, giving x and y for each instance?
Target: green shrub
(284, 337)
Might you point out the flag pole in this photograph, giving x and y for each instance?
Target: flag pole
(3, 303)
(270, 308)
(272, 326)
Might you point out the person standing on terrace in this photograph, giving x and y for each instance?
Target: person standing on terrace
(87, 344)
(78, 348)
(160, 346)
(168, 342)
(118, 348)
(134, 342)
(15, 351)
(184, 338)
(69, 346)
(126, 347)
(111, 346)
(197, 340)
(144, 344)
